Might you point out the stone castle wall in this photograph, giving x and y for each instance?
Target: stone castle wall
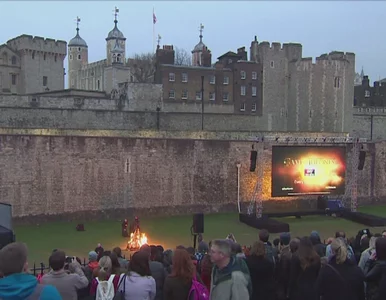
(65, 176)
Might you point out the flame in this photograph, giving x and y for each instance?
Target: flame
(137, 239)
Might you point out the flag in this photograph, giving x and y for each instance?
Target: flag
(154, 18)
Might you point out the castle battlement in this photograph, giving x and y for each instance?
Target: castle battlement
(37, 43)
(336, 57)
(276, 46)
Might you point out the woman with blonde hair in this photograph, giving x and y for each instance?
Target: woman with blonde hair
(261, 270)
(340, 278)
(103, 273)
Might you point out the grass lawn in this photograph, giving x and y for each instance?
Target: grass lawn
(169, 232)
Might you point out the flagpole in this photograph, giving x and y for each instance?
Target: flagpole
(153, 31)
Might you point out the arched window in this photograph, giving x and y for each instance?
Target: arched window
(118, 58)
(14, 60)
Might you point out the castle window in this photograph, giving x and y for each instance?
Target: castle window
(198, 95)
(254, 91)
(226, 80)
(242, 107)
(184, 94)
(243, 75)
(184, 77)
(56, 58)
(212, 96)
(212, 79)
(33, 54)
(99, 85)
(225, 97)
(272, 64)
(70, 56)
(79, 49)
(242, 90)
(118, 58)
(254, 75)
(79, 56)
(44, 56)
(171, 94)
(172, 77)
(14, 60)
(367, 94)
(253, 106)
(45, 80)
(337, 82)
(13, 78)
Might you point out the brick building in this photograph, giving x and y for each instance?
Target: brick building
(232, 80)
(370, 96)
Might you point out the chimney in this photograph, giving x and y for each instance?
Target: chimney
(366, 81)
(243, 54)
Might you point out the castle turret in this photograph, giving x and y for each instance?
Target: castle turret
(201, 55)
(77, 58)
(115, 41)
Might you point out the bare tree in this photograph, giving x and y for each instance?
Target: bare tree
(142, 67)
(182, 57)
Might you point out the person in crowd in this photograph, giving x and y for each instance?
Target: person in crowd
(271, 252)
(160, 249)
(123, 262)
(340, 278)
(276, 244)
(319, 247)
(115, 265)
(203, 249)
(156, 254)
(168, 261)
(350, 251)
(178, 283)
(157, 270)
(67, 284)
(237, 250)
(365, 256)
(99, 250)
(103, 273)
(92, 265)
(384, 233)
(294, 245)
(138, 282)
(192, 254)
(283, 266)
(305, 266)
(262, 273)
(229, 278)
(15, 282)
(205, 267)
(180, 247)
(375, 277)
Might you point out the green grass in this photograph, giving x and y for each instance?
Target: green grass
(168, 231)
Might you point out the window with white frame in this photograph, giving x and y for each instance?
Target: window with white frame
(254, 75)
(253, 106)
(243, 75)
(198, 95)
(172, 77)
(242, 107)
(184, 77)
(254, 91)
(225, 96)
(172, 94)
(212, 96)
(242, 90)
(212, 79)
(226, 80)
(184, 94)
(367, 94)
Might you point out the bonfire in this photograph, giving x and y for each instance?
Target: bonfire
(137, 239)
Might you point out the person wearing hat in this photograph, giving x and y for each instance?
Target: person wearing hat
(92, 265)
(319, 247)
(283, 267)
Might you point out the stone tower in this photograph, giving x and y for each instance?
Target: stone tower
(77, 57)
(197, 53)
(115, 42)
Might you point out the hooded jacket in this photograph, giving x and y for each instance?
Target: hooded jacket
(232, 282)
(22, 286)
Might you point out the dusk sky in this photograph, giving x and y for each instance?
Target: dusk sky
(320, 27)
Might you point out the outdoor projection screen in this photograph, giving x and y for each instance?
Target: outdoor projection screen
(304, 170)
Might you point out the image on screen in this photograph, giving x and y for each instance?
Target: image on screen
(303, 170)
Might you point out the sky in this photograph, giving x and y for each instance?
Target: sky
(321, 27)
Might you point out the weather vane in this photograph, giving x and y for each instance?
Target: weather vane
(77, 23)
(159, 39)
(116, 11)
(201, 28)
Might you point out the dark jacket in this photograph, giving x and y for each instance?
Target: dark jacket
(319, 247)
(176, 289)
(159, 274)
(341, 282)
(376, 280)
(283, 273)
(262, 276)
(302, 282)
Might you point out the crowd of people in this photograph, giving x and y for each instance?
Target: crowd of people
(286, 268)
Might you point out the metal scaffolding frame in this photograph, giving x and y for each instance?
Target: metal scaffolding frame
(351, 192)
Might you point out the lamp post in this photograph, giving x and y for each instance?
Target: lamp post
(202, 103)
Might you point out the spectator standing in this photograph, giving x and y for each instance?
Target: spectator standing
(271, 252)
(229, 279)
(319, 247)
(376, 276)
(283, 266)
(262, 273)
(123, 262)
(103, 273)
(15, 283)
(168, 261)
(91, 266)
(67, 284)
(340, 279)
(350, 251)
(138, 283)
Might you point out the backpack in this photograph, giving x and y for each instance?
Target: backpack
(198, 291)
(105, 289)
